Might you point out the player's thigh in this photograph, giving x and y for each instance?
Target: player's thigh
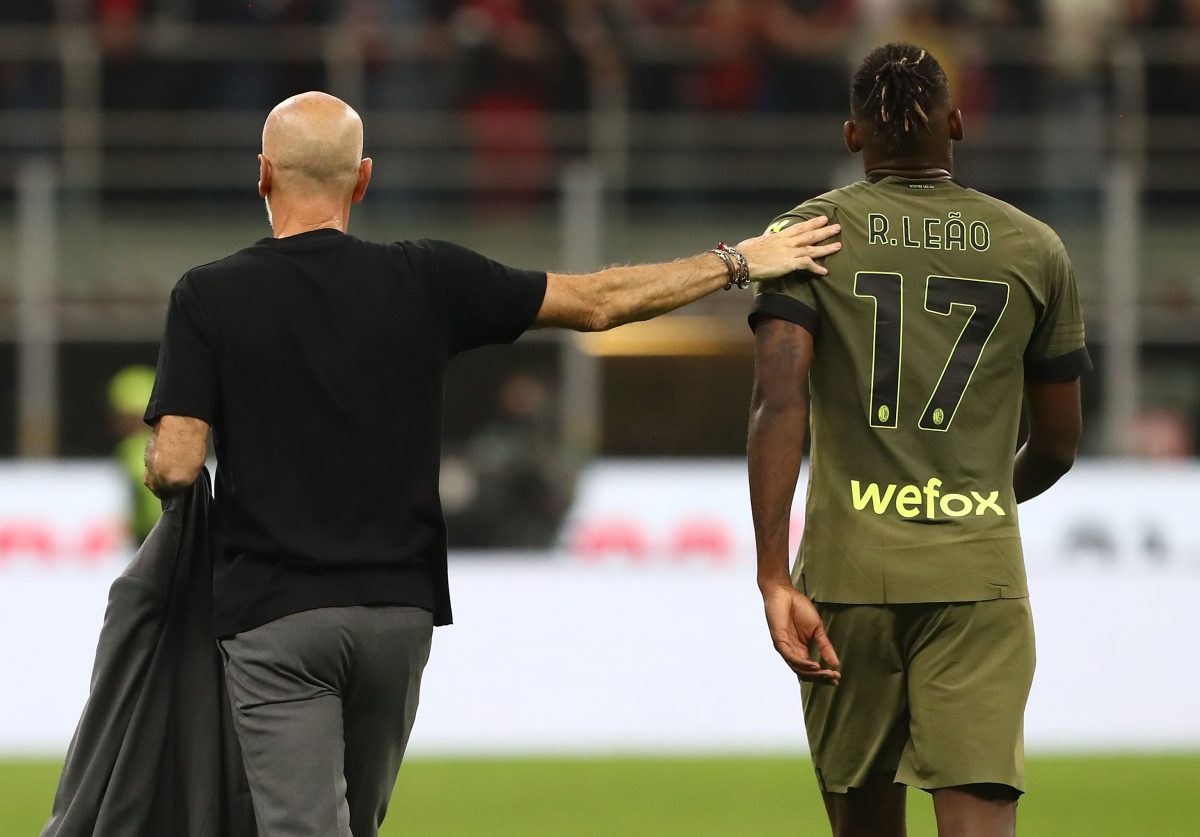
(391, 648)
(282, 681)
(970, 669)
(858, 728)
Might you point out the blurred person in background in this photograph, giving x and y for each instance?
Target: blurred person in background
(1011, 87)
(506, 66)
(128, 395)
(653, 79)
(906, 616)
(254, 82)
(132, 74)
(318, 360)
(522, 484)
(521, 64)
(732, 75)
(798, 73)
(406, 46)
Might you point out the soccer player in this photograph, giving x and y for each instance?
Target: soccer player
(944, 308)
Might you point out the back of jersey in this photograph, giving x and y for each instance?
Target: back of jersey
(941, 304)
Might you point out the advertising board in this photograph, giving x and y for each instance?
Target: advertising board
(643, 632)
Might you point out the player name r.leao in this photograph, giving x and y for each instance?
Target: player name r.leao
(951, 233)
(928, 500)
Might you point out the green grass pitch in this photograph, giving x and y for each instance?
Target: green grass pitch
(722, 797)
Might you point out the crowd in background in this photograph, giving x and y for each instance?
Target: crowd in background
(520, 55)
(506, 66)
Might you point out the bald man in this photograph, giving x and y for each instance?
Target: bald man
(317, 359)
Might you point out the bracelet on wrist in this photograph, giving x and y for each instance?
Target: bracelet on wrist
(735, 263)
(730, 269)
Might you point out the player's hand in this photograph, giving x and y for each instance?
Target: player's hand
(798, 247)
(795, 626)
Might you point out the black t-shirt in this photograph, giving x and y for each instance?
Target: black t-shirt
(319, 361)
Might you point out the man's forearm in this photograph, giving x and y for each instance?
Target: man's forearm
(1035, 470)
(630, 294)
(774, 454)
(609, 298)
(1055, 425)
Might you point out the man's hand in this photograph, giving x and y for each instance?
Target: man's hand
(798, 247)
(175, 454)
(795, 625)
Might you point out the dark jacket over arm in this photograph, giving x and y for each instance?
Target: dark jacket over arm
(155, 752)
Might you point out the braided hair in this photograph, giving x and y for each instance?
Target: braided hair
(897, 87)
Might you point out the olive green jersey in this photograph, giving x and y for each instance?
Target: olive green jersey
(942, 303)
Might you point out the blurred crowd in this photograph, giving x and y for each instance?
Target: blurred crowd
(557, 55)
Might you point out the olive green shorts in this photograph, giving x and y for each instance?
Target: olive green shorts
(933, 694)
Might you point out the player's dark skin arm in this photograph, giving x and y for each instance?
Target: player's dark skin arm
(1055, 424)
(778, 423)
(175, 454)
(609, 298)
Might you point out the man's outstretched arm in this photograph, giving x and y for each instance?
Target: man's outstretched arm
(619, 295)
(175, 454)
(778, 423)
(1055, 425)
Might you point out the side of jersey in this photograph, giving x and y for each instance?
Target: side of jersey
(941, 304)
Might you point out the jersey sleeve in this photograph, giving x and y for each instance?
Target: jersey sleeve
(486, 302)
(1057, 351)
(790, 298)
(186, 383)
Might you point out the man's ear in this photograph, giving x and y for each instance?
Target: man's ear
(364, 177)
(955, 123)
(264, 176)
(850, 134)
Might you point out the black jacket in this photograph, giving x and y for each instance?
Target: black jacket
(155, 754)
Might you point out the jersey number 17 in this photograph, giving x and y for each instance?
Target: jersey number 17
(986, 301)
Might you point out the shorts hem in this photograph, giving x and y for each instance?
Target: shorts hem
(942, 782)
(851, 784)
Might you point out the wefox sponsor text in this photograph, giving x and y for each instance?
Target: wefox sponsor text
(928, 500)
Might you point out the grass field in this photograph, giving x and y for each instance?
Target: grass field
(1155, 796)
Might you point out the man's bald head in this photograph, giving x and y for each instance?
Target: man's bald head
(314, 143)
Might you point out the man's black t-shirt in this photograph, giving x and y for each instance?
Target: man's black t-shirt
(319, 359)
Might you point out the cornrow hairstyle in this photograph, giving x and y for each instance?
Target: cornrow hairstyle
(897, 87)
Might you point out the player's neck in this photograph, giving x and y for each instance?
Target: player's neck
(876, 173)
(915, 167)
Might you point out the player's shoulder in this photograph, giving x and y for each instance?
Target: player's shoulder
(1040, 236)
(212, 274)
(828, 204)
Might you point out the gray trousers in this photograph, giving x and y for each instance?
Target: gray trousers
(323, 702)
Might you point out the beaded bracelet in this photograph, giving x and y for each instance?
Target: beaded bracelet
(735, 263)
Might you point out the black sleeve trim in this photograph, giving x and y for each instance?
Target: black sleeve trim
(1057, 370)
(784, 308)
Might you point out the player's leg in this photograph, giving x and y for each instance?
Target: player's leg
(875, 809)
(283, 689)
(391, 647)
(983, 810)
(970, 669)
(857, 730)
